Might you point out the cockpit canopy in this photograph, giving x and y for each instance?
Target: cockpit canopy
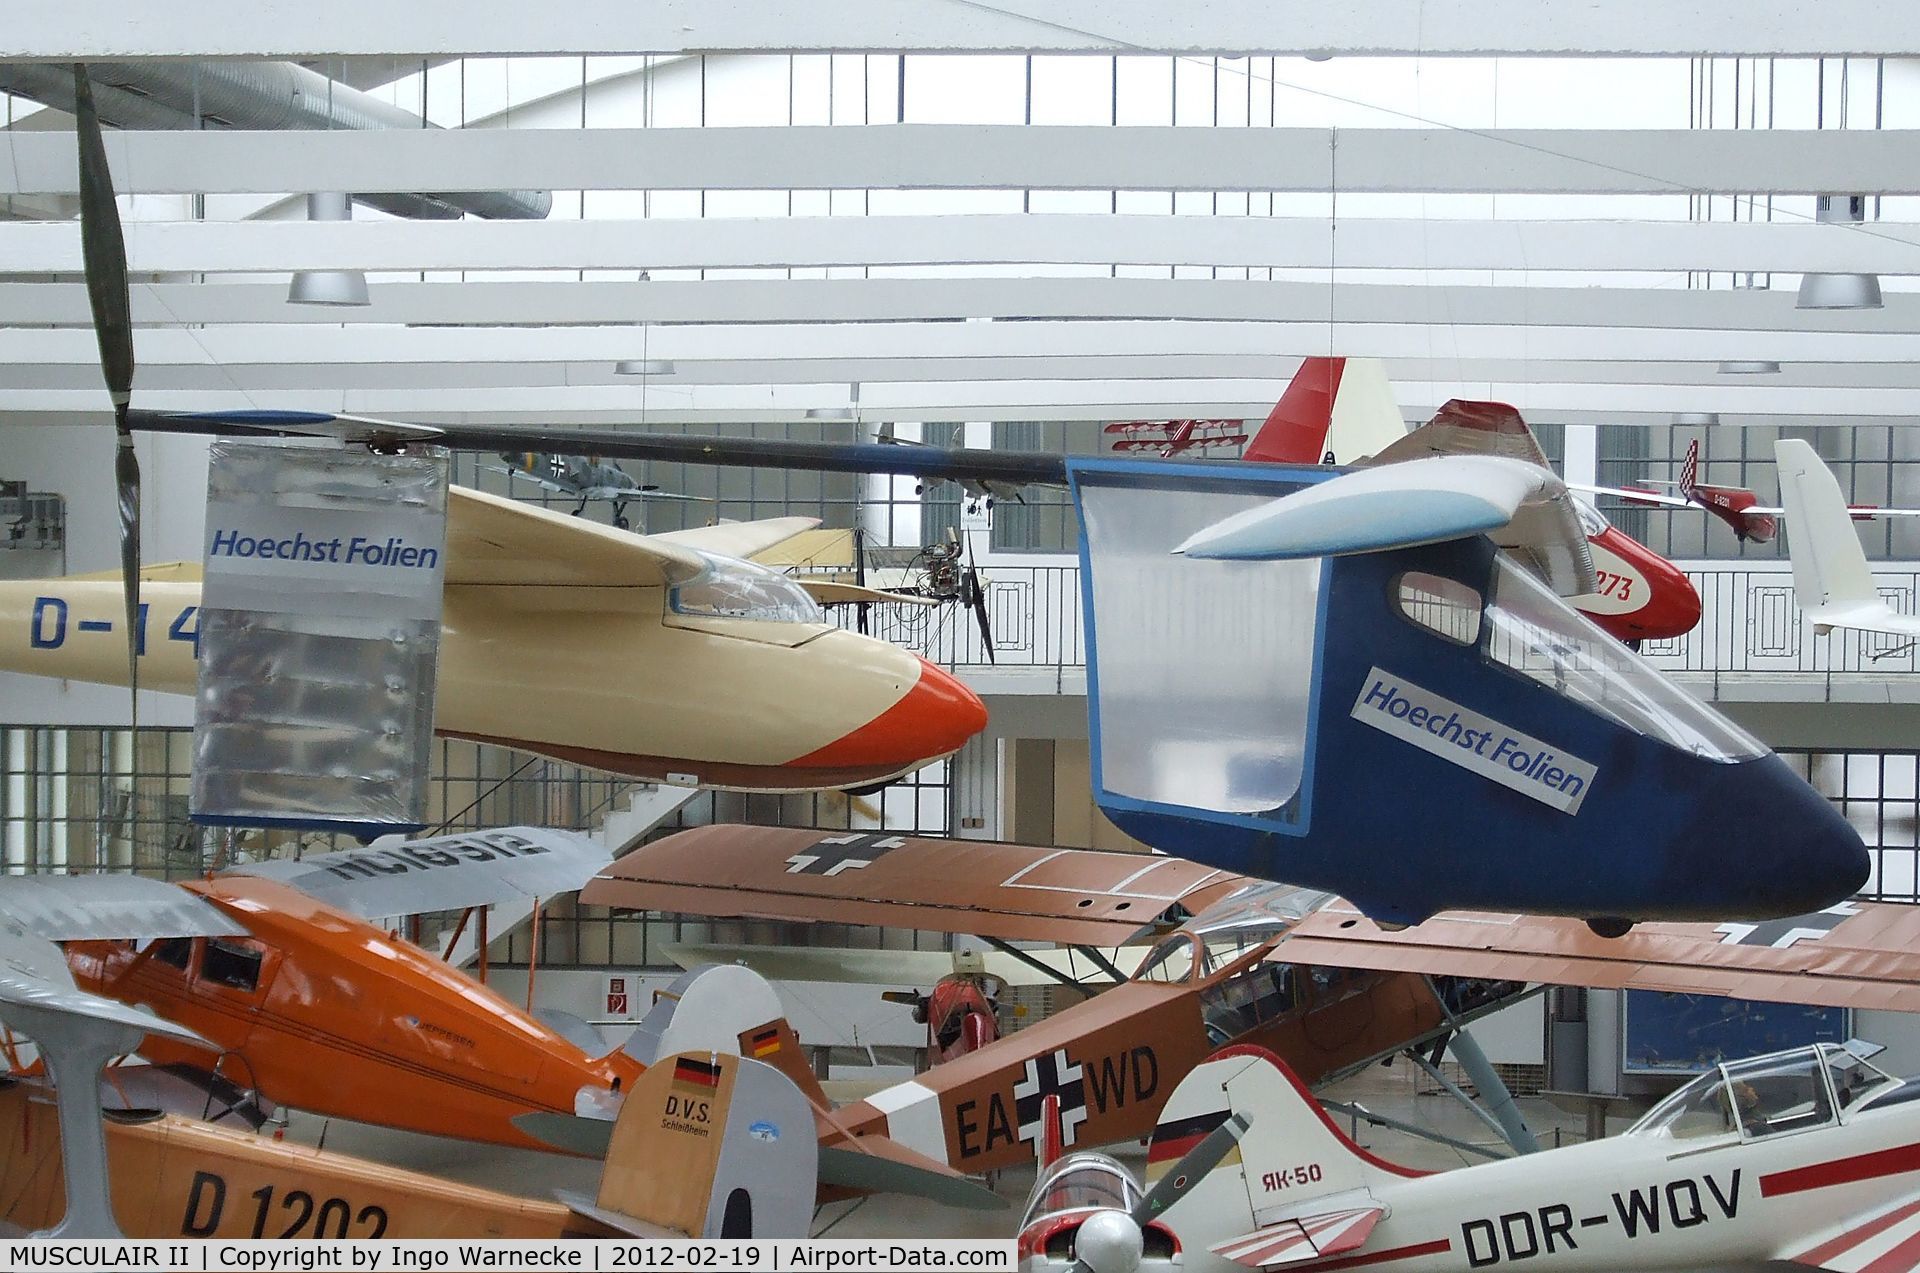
(1237, 923)
(1790, 1091)
(1081, 1182)
(735, 589)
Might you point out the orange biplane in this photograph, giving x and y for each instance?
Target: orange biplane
(1234, 961)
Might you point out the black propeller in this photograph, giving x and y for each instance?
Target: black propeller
(105, 254)
(1182, 1176)
(973, 595)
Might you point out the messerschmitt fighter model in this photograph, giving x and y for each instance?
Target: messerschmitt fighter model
(1799, 1158)
(1228, 960)
(586, 478)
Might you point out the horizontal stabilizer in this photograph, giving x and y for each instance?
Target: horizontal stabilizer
(109, 908)
(884, 1166)
(1301, 1238)
(447, 872)
(1522, 506)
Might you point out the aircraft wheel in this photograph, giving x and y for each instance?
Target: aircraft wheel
(1610, 926)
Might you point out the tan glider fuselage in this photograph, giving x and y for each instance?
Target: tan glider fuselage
(610, 678)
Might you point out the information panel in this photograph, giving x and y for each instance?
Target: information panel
(1685, 1034)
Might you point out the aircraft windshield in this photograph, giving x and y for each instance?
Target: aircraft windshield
(734, 589)
(1536, 634)
(1080, 1183)
(1592, 520)
(1768, 1095)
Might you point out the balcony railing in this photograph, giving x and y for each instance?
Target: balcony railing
(1750, 626)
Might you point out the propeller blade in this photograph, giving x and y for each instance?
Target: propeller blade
(977, 602)
(104, 250)
(1200, 1160)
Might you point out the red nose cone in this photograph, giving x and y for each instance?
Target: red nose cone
(931, 719)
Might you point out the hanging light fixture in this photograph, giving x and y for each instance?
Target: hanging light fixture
(1839, 291)
(1698, 419)
(1750, 367)
(328, 287)
(849, 412)
(643, 367)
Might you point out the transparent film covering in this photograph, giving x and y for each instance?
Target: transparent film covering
(1538, 635)
(1205, 668)
(736, 589)
(319, 635)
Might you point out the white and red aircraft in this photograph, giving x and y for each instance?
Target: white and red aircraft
(1806, 1157)
(1342, 411)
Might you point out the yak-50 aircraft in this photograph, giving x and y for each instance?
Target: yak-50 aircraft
(1799, 1158)
(1406, 682)
(1293, 970)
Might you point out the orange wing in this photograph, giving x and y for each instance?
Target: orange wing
(1854, 955)
(1009, 891)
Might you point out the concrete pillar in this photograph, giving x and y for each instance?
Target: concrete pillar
(1026, 790)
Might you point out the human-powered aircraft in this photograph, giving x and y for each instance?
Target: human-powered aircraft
(1417, 721)
(1798, 1158)
(1229, 960)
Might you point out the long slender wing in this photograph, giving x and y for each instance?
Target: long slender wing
(108, 908)
(499, 541)
(738, 539)
(1852, 955)
(545, 483)
(1638, 497)
(892, 967)
(1884, 1240)
(1523, 507)
(1009, 891)
(448, 872)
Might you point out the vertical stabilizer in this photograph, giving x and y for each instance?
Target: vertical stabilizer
(1829, 566)
(1690, 468)
(1292, 1154)
(709, 1146)
(1335, 410)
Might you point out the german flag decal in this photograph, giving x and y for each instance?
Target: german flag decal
(764, 1042)
(696, 1073)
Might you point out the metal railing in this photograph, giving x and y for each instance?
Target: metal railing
(1750, 624)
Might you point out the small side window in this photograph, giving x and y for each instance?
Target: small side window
(1445, 607)
(229, 963)
(174, 951)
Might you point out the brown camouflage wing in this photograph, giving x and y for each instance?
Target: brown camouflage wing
(1010, 891)
(1854, 955)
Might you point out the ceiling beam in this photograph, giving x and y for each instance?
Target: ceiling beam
(977, 400)
(30, 248)
(988, 157)
(356, 344)
(111, 29)
(572, 302)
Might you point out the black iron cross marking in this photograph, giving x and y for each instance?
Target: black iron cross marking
(837, 853)
(1050, 1075)
(1782, 933)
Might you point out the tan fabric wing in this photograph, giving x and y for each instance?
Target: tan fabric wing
(820, 549)
(1869, 958)
(499, 541)
(739, 539)
(829, 592)
(1010, 891)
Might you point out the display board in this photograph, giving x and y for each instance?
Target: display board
(1685, 1034)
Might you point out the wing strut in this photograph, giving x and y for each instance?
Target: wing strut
(1495, 1106)
(1054, 974)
